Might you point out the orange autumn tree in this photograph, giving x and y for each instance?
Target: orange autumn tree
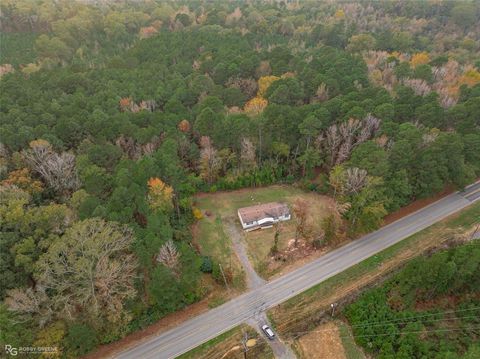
(160, 195)
(23, 180)
(146, 32)
(184, 126)
(125, 103)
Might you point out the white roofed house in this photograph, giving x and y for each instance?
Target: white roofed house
(263, 215)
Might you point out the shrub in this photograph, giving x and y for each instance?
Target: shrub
(207, 265)
(197, 213)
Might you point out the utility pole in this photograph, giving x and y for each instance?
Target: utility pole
(224, 278)
(333, 306)
(260, 142)
(244, 344)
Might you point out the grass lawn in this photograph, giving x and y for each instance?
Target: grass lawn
(306, 310)
(213, 242)
(229, 345)
(220, 207)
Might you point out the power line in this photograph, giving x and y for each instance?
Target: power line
(406, 320)
(382, 324)
(400, 333)
(301, 310)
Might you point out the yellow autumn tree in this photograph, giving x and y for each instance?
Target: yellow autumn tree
(160, 195)
(339, 14)
(255, 106)
(420, 58)
(51, 336)
(40, 143)
(264, 83)
(471, 77)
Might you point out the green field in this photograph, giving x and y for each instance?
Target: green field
(219, 208)
(213, 242)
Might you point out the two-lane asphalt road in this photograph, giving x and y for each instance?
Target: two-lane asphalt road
(204, 327)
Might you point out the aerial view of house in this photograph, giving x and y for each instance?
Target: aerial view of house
(201, 179)
(263, 215)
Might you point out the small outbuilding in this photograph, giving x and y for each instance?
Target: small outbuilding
(263, 215)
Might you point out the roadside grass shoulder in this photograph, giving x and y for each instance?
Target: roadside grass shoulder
(205, 347)
(305, 307)
(229, 345)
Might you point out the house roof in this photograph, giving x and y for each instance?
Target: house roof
(255, 213)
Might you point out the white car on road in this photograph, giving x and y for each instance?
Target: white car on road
(268, 332)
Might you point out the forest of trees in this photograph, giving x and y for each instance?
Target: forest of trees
(114, 115)
(428, 310)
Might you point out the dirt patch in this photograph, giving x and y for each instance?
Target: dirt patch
(292, 257)
(170, 321)
(323, 342)
(416, 205)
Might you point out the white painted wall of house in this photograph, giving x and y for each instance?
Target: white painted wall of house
(262, 221)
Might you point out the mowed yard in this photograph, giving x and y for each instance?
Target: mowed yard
(220, 208)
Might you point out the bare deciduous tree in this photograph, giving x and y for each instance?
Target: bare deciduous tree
(340, 139)
(420, 87)
(356, 179)
(210, 162)
(247, 154)
(300, 210)
(30, 301)
(169, 256)
(348, 181)
(90, 270)
(135, 150)
(248, 86)
(57, 170)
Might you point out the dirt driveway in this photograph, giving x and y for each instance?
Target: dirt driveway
(253, 279)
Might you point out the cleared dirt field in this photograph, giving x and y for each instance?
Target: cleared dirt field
(220, 208)
(323, 342)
